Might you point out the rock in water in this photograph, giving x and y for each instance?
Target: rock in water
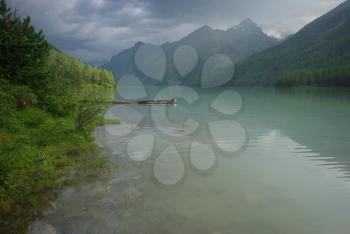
(39, 227)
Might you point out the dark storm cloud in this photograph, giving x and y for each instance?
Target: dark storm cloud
(97, 29)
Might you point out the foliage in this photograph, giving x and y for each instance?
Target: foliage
(22, 49)
(90, 105)
(80, 73)
(49, 104)
(60, 97)
(320, 50)
(111, 122)
(331, 76)
(37, 151)
(7, 101)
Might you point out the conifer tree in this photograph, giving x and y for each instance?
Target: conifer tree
(22, 49)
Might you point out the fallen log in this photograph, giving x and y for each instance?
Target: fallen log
(145, 102)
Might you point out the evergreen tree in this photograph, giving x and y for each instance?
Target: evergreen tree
(22, 49)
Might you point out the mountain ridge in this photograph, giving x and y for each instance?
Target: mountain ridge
(318, 54)
(237, 42)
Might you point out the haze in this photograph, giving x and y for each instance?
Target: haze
(94, 30)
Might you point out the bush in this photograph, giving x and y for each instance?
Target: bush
(91, 104)
(60, 97)
(7, 105)
(48, 108)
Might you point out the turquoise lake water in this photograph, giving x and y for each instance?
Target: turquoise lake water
(222, 161)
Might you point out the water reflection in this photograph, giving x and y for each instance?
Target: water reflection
(291, 176)
(315, 118)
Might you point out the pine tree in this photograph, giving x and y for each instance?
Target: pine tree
(22, 49)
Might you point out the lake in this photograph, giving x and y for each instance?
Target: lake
(223, 160)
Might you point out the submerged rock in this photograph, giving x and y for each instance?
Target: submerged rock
(40, 227)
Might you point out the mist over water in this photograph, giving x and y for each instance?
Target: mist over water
(288, 170)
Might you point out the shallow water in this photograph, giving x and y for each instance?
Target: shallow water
(257, 160)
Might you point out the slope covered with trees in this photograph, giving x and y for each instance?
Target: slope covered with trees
(79, 73)
(49, 104)
(237, 43)
(319, 54)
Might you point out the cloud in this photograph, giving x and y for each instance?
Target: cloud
(98, 29)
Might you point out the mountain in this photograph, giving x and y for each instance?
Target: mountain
(236, 42)
(319, 54)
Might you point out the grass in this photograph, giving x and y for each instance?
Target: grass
(111, 122)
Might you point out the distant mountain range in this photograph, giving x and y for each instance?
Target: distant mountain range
(237, 43)
(319, 54)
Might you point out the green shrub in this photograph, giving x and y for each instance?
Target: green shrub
(49, 104)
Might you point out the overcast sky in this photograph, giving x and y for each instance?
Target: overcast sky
(97, 29)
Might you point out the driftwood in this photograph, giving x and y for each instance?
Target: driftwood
(145, 102)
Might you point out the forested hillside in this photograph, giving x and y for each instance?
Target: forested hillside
(80, 73)
(319, 55)
(49, 104)
(237, 42)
